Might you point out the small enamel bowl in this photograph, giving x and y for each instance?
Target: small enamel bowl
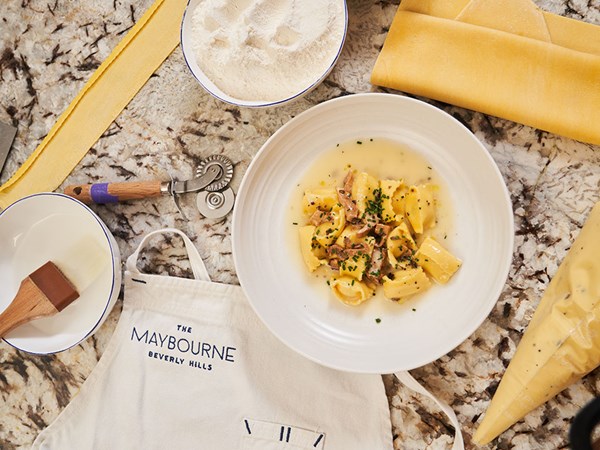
(187, 47)
(54, 227)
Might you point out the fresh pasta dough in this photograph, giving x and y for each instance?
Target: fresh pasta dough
(373, 232)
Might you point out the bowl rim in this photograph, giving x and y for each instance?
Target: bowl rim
(115, 255)
(504, 269)
(220, 95)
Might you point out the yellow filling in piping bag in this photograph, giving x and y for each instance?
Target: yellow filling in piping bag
(562, 341)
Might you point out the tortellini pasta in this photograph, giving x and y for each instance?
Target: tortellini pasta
(355, 267)
(390, 189)
(363, 191)
(323, 199)
(327, 232)
(438, 262)
(349, 290)
(308, 249)
(400, 247)
(420, 208)
(371, 233)
(404, 283)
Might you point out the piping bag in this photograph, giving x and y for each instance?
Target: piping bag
(103, 97)
(561, 343)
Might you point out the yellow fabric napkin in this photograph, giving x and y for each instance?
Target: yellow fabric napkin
(561, 343)
(506, 58)
(109, 90)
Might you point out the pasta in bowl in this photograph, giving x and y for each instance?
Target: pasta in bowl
(371, 233)
(472, 221)
(381, 227)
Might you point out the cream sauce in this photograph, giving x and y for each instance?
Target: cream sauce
(381, 158)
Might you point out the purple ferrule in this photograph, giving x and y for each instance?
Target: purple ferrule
(99, 194)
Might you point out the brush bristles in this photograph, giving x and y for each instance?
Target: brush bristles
(54, 285)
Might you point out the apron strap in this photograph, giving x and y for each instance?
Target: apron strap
(198, 267)
(407, 380)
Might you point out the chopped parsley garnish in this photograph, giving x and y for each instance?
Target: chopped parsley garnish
(374, 207)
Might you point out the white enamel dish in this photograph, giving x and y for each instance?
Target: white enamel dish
(305, 315)
(52, 227)
(187, 49)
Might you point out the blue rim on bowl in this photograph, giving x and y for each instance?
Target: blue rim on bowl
(217, 93)
(115, 275)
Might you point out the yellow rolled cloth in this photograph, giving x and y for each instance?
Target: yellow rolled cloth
(505, 58)
(104, 96)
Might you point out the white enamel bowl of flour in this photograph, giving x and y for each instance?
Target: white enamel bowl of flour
(263, 52)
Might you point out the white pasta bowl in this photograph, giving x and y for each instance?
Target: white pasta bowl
(54, 227)
(210, 85)
(378, 336)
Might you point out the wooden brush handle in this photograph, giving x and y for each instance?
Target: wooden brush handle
(30, 303)
(115, 192)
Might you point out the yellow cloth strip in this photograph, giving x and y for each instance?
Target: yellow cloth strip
(108, 91)
(506, 58)
(561, 343)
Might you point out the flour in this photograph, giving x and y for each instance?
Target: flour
(266, 50)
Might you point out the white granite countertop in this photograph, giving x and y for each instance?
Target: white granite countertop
(49, 48)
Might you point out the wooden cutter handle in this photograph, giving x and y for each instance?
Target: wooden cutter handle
(114, 192)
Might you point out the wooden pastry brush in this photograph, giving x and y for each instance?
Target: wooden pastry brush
(44, 292)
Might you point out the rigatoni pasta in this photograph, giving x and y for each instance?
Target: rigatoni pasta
(374, 232)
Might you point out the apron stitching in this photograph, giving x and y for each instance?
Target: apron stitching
(317, 441)
(154, 304)
(168, 280)
(212, 319)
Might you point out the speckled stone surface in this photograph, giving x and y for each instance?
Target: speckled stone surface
(49, 48)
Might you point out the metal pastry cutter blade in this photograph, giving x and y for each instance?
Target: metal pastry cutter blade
(214, 205)
(225, 167)
(216, 200)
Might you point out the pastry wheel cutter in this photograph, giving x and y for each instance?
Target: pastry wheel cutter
(215, 198)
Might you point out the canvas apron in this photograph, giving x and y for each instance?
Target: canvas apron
(190, 366)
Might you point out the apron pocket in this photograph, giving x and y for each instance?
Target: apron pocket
(262, 435)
